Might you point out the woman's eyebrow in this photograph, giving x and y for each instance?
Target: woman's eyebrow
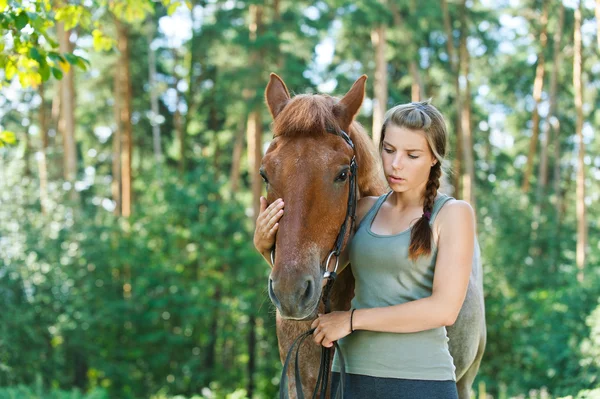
(409, 150)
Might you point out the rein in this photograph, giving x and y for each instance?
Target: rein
(326, 353)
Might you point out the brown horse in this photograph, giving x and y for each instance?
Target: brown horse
(305, 165)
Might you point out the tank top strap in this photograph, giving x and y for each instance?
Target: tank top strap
(374, 209)
(438, 204)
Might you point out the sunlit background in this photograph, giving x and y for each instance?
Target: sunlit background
(130, 137)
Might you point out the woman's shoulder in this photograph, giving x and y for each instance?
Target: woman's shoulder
(455, 212)
(363, 206)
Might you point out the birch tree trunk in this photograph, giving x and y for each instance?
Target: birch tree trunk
(254, 142)
(234, 176)
(67, 115)
(598, 23)
(154, 100)
(580, 192)
(380, 87)
(468, 176)
(125, 118)
(116, 141)
(537, 96)
(551, 127)
(453, 60)
(43, 153)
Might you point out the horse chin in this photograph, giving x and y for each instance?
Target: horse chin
(303, 317)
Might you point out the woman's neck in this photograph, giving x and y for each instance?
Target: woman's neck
(407, 199)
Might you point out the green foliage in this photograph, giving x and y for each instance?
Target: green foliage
(164, 303)
(31, 53)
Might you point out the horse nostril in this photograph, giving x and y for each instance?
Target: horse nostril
(272, 294)
(308, 292)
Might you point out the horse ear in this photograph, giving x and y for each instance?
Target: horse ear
(276, 94)
(349, 105)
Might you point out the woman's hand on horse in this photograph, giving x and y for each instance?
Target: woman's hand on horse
(330, 327)
(267, 224)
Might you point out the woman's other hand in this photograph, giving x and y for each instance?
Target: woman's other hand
(330, 327)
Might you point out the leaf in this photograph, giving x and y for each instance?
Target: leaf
(45, 72)
(71, 59)
(57, 73)
(65, 66)
(30, 79)
(21, 20)
(3, 4)
(35, 54)
(8, 137)
(82, 63)
(172, 8)
(101, 42)
(10, 70)
(56, 57)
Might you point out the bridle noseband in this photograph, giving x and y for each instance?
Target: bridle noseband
(323, 376)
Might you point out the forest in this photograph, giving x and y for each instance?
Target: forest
(131, 133)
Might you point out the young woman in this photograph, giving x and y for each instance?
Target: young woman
(394, 339)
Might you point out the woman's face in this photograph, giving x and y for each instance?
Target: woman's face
(407, 159)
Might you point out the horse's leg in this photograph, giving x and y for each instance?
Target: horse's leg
(465, 383)
(467, 339)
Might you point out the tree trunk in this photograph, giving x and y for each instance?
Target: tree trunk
(194, 70)
(125, 117)
(67, 115)
(251, 352)
(453, 61)
(154, 100)
(27, 152)
(416, 89)
(598, 23)
(537, 96)
(552, 124)
(116, 141)
(468, 178)
(380, 86)
(213, 333)
(234, 176)
(42, 159)
(578, 86)
(179, 133)
(254, 140)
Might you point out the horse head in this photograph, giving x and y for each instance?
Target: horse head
(308, 164)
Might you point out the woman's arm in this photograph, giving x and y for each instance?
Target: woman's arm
(450, 281)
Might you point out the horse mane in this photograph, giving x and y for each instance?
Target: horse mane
(312, 114)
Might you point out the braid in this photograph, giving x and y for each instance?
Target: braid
(420, 238)
(432, 186)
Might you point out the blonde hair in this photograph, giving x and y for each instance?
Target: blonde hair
(424, 117)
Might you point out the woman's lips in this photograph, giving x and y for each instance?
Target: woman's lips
(393, 179)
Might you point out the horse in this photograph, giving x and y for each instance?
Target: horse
(305, 165)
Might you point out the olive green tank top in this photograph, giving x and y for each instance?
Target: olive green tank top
(384, 276)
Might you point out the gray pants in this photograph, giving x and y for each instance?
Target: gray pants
(366, 387)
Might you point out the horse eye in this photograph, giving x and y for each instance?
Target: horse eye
(342, 176)
(263, 177)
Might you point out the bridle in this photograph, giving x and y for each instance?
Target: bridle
(330, 276)
(350, 211)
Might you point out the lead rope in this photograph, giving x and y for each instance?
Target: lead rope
(323, 376)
